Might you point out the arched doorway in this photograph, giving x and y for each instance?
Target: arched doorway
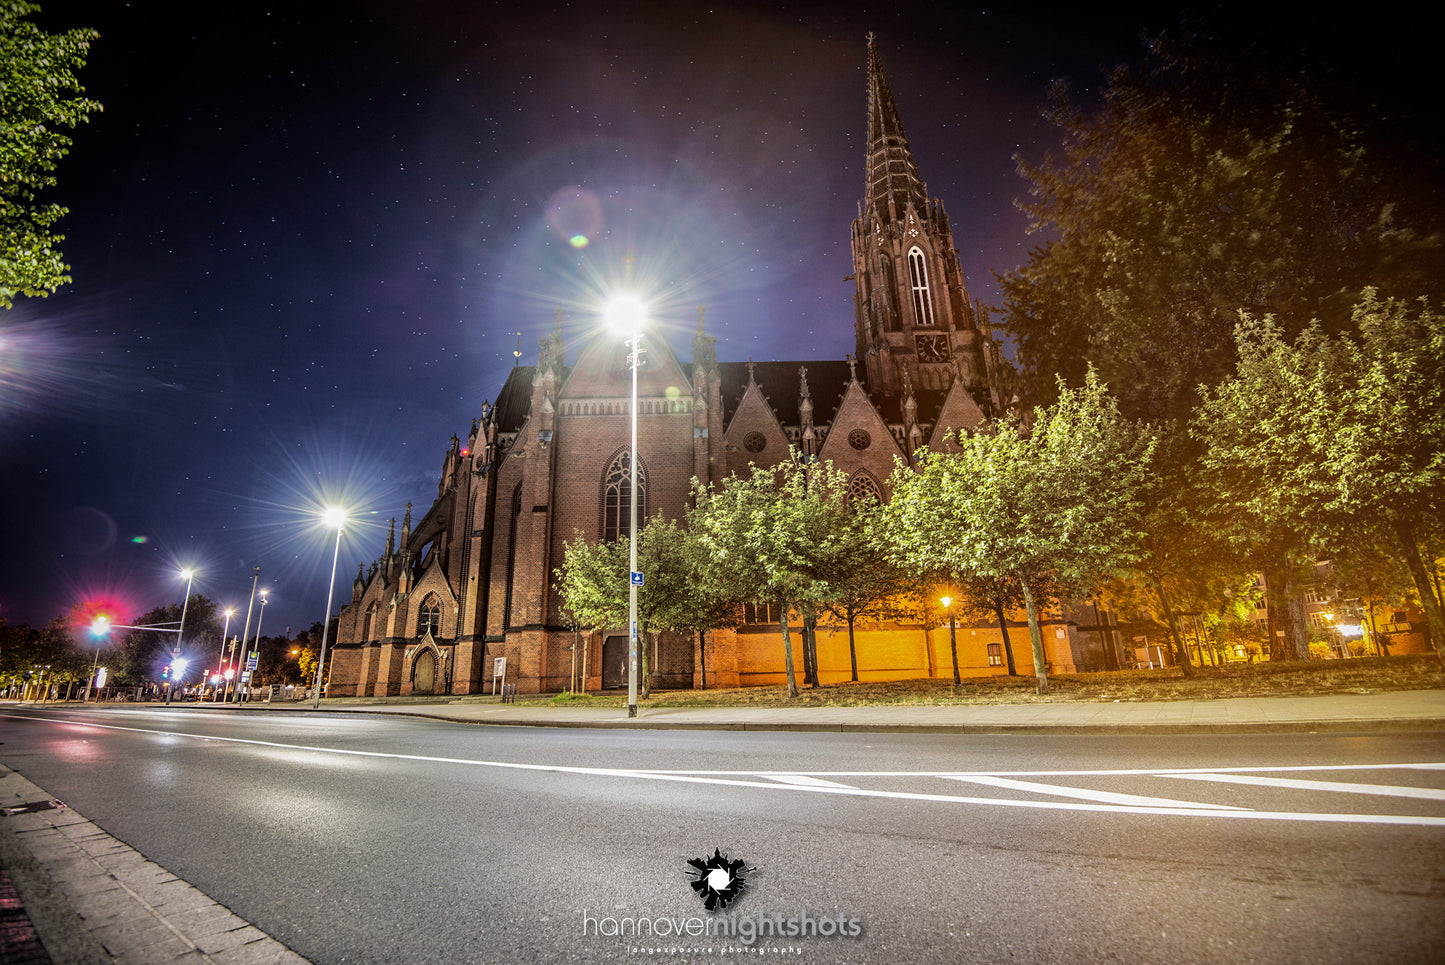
(614, 663)
(423, 672)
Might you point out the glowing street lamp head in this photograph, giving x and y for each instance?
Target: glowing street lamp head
(947, 601)
(188, 574)
(625, 312)
(334, 517)
(101, 626)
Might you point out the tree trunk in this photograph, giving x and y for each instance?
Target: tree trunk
(1036, 637)
(1405, 530)
(702, 656)
(788, 654)
(1181, 653)
(1008, 649)
(810, 647)
(1375, 635)
(1106, 640)
(1287, 639)
(644, 668)
(852, 649)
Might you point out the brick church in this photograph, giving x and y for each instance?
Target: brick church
(470, 579)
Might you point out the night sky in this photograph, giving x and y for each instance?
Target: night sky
(304, 240)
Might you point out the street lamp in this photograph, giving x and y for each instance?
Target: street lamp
(98, 629)
(221, 657)
(627, 313)
(251, 678)
(952, 636)
(246, 633)
(335, 516)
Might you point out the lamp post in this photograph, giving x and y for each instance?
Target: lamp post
(98, 629)
(246, 633)
(627, 313)
(221, 657)
(251, 680)
(335, 516)
(952, 636)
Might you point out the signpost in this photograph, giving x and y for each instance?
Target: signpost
(499, 671)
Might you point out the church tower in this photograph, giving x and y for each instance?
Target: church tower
(913, 319)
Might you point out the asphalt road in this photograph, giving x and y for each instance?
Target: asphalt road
(373, 839)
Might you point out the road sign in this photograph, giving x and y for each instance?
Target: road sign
(251, 660)
(636, 578)
(175, 651)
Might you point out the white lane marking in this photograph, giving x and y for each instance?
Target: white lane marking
(803, 780)
(1428, 793)
(694, 778)
(1086, 794)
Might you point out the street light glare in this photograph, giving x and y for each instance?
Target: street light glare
(188, 573)
(625, 312)
(334, 516)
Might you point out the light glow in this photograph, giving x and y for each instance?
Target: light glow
(626, 313)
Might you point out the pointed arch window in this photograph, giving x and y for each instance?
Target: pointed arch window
(617, 495)
(862, 487)
(918, 280)
(429, 618)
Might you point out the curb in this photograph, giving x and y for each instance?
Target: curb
(94, 899)
(1330, 726)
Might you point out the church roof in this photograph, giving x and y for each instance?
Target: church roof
(780, 383)
(515, 399)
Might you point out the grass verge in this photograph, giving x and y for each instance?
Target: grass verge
(1282, 679)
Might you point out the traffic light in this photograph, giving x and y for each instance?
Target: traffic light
(166, 672)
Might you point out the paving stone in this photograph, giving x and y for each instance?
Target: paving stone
(211, 944)
(266, 952)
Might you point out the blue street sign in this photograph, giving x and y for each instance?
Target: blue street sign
(636, 578)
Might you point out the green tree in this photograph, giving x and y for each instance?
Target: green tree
(37, 76)
(779, 534)
(1058, 502)
(1311, 439)
(1262, 469)
(1387, 453)
(873, 587)
(698, 603)
(1187, 196)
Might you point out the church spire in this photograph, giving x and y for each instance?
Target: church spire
(893, 181)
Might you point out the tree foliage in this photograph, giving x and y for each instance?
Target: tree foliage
(1313, 439)
(1057, 503)
(1189, 195)
(783, 534)
(37, 81)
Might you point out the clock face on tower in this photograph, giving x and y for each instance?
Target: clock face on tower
(931, 348)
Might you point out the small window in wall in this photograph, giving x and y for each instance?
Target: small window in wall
(918, 280)
(429, 619)
(762, 613)
(995, 655)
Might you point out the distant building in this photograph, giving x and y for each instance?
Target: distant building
(471, 579)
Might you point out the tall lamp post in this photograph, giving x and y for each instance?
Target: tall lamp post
(219, 680)
(335, 516)
(952, 636)
(246, 632)
(627, 314)
(251, 680)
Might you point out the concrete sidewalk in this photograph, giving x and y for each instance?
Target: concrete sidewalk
(1394, 710)
(92, 899)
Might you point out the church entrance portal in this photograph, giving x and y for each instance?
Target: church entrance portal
(424, 672)
(614, 663)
